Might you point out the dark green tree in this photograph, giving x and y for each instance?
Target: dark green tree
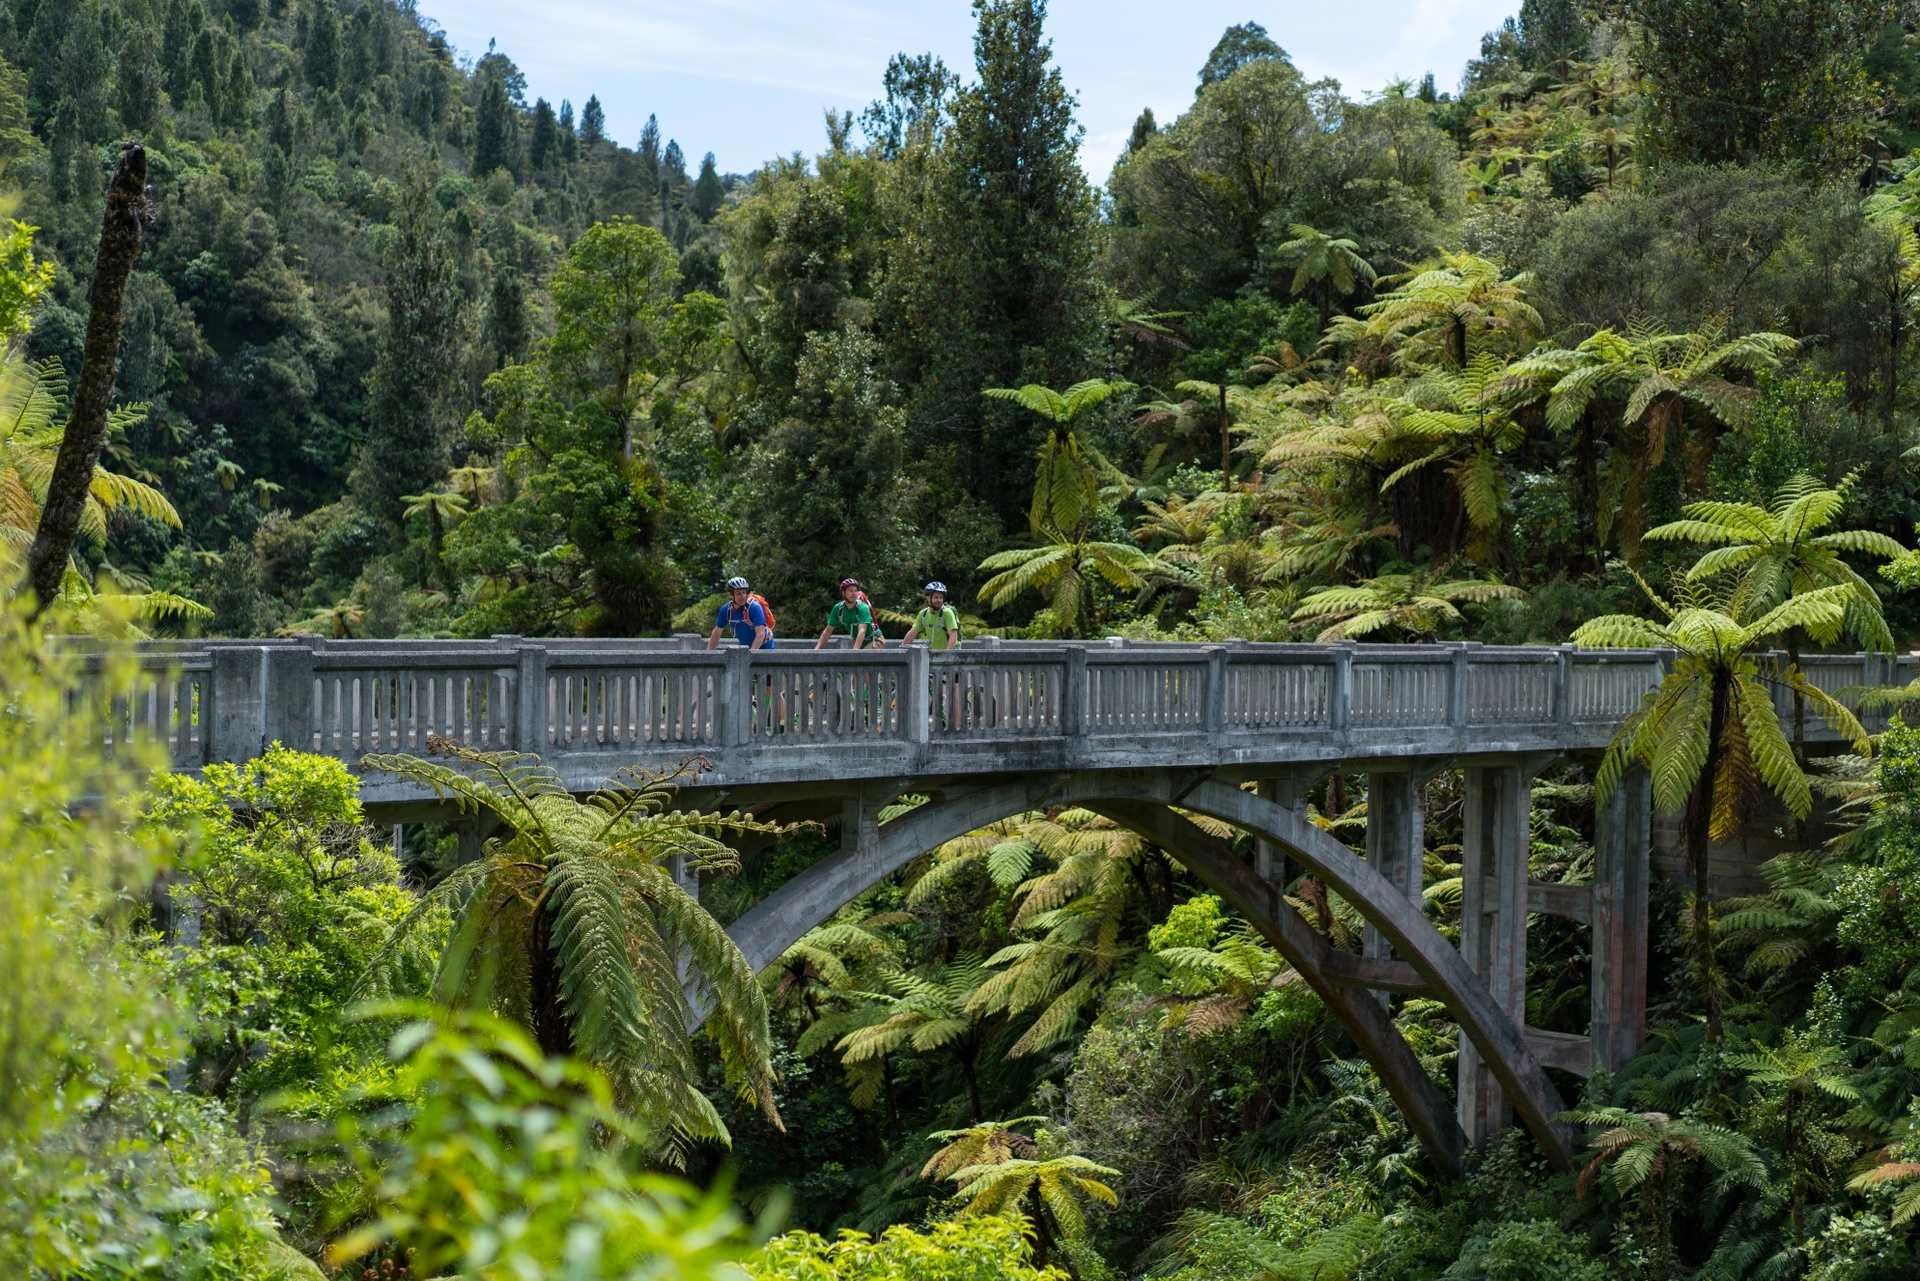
(824, 489)
(543, 145)
(322, 60)
(236, 85)
(1778, 80)
(138, 82)
(407, 395)
(994, 283)
(569, 142)
(282, 121)
(506, 331)
(86, 71)
(708, 190)
(45, 53)
(185, 18)
(593, 124)
(492, 129)
(647, 154)
(1552, 34)
(208, 69)
(1237, 46)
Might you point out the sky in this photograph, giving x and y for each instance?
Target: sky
(750, 79)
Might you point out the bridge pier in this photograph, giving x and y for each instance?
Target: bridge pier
(1396, 832)
(472, 833)
(1622, 841)
(1493, 924)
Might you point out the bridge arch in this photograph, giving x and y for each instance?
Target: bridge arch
(1141, 800)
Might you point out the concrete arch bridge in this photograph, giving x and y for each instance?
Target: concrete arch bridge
(1142, 733)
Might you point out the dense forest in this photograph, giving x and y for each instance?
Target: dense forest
(1610, 340)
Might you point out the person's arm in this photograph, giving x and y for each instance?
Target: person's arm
(953, 627)
(865, 628)
(719, 625)
(911, 633)
(761, 632)
(762, 636)
(824, 633)
(713, 638)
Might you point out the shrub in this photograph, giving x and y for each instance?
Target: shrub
(990, 1248)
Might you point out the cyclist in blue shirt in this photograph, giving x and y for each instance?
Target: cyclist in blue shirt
(746, 615)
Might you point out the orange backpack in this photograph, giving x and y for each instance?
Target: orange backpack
(755, 598)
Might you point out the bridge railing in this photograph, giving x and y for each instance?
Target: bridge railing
(224, 700)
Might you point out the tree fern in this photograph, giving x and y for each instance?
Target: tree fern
(571, 925)
(1416, 604)
(1709, 732)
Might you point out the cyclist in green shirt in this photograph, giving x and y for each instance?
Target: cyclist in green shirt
(939, 622)
(852, 616)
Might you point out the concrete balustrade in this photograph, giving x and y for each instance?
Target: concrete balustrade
(592, 706)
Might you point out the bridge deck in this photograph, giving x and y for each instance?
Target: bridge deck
(796, 716)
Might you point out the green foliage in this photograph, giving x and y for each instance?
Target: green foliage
(1706, 103)
(825, 488)
(291, 901)
(1412, 603)
(109, 1173)
(983, 1248)
(1524, 1250)
(1780, 552)
(1065, 569)
(487, 1159)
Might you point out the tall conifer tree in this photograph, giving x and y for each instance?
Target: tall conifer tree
(406, 446)
(708, 190)
(996, 284)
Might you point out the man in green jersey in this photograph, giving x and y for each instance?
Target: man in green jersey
(938, 622)
(850, 615)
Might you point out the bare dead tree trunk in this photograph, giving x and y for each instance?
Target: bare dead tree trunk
(86, 428)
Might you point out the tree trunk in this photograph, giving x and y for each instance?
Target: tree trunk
(1896, 332)
(1226, 443)
(86, 429)
(972, 1075)
(550, 1026)
(1699, 844)
(1586, 481)
(1042, 1236)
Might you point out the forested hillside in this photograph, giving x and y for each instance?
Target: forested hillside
(1607, 338)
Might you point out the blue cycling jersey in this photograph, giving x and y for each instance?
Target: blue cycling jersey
(744, 622)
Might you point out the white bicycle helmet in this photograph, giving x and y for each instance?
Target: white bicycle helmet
(738, 584)
(935, 586)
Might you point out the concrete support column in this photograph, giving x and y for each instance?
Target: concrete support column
(1493, 923)
(473, 833)
(1622, 838)
(684, 875)
(858, 825)
(1289, 791)
(1396, 828)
